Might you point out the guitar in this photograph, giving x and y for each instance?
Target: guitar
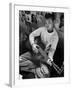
(43, 54)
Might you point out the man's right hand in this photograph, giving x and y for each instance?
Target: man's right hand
(34, 47)
(49, 61)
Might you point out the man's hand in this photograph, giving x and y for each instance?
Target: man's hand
(34, 47)
(49, 61)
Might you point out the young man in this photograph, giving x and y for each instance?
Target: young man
(49, 38)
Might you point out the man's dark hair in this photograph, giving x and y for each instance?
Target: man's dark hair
(50, 15)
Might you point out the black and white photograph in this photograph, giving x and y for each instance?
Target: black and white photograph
(41, 44)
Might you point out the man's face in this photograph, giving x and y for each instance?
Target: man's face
(49, 24)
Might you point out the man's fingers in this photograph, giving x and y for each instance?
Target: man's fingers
(49, 62)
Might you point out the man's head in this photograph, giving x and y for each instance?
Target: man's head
(49, 18)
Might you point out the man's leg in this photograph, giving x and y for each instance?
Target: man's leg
(27, 65)
(25, 62)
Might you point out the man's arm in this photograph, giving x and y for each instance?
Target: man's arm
(53, 47)
(34, 34)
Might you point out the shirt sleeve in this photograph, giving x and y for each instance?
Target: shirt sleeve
(53, 47)
(34, 34)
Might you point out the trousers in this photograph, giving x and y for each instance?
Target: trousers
(29, 64)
